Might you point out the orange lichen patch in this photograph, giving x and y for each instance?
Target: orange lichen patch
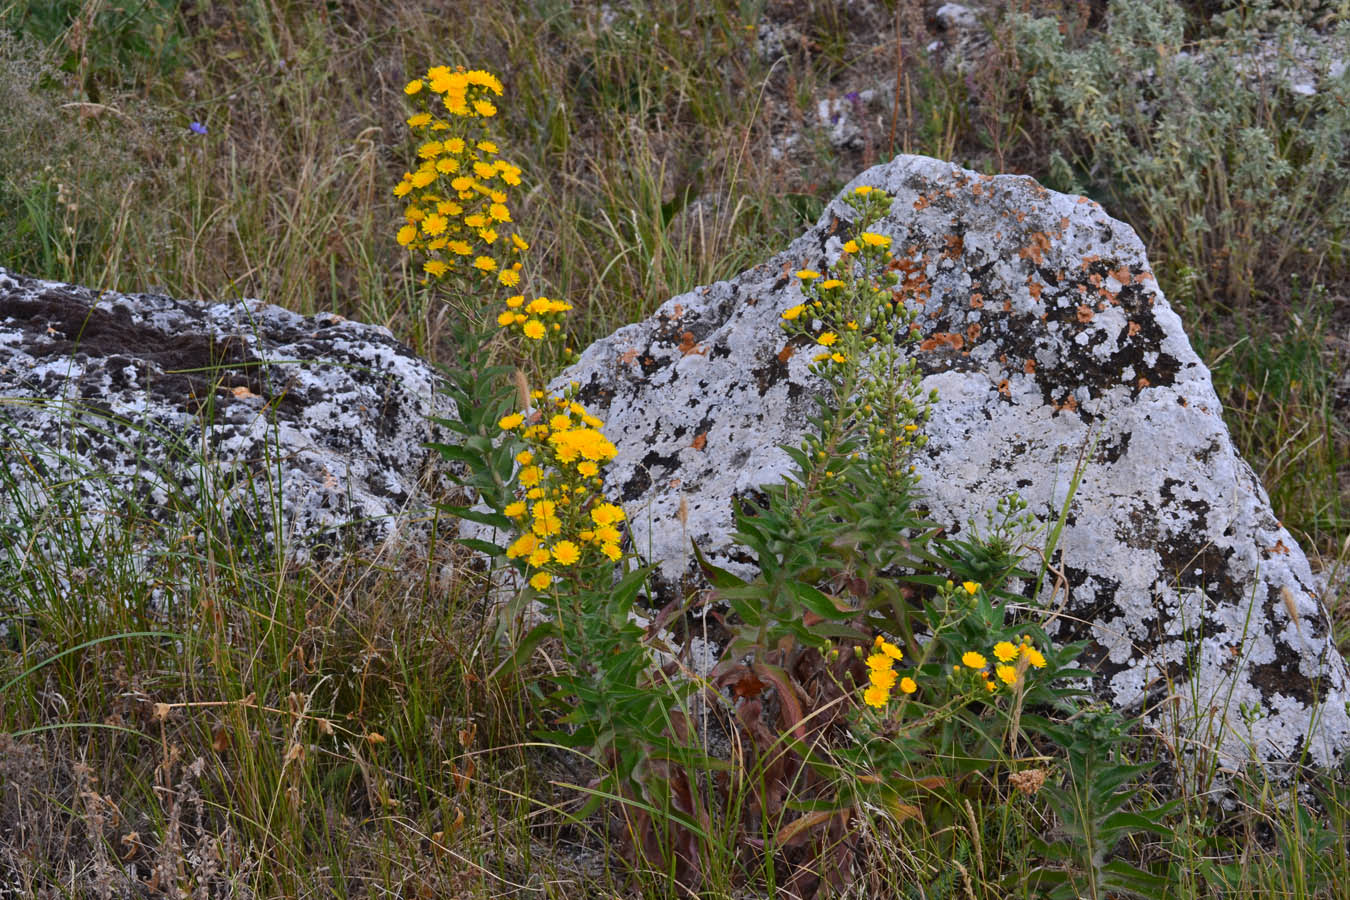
(678, 310)
(1004, 388)
(942, 339)
(1095, 280)
(1019, 216)
(1007, 306)
(786, 353)
(1070, 404)
(973, 332)
(1084, 314)
(1123, 275)
(688, 345)
(976, 301)
(1029, 367)
(1063, 224)
(1132, 330)
(242, 392)
(956, 245)
(1035, 288)
(922, 202)
(700, 441)
(1035, 251)
(628, 356)
(1142, 382)
(1279, 548)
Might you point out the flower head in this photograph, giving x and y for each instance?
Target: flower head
(972, 660)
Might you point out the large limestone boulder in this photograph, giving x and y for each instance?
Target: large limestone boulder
(1046, 338)
(307, 430)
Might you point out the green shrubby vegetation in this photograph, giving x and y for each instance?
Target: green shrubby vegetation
(424, 727)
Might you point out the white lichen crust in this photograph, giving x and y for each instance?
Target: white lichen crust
(1047, 339)
(304, 433)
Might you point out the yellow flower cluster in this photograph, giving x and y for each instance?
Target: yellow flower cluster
(881, 675)
(536, 319)
(1011, 660)
(457, 210)
(563, 519)
(846, 296)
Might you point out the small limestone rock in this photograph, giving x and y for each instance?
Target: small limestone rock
(1046, 338)
(313, 424)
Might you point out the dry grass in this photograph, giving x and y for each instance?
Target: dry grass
(338, 732)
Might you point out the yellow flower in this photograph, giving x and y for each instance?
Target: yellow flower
(862, 190)
(447, 165)
(827, 339)
(875, 240)
(971, 587)
(413, 87)
(499, 212)
(606, 514)
(435, 268)
(487, 146)
(515, 510)
(973, 660)
(807, 274)
(546, 526)
(534, 330)
(540, 580)
(459, 248)
(877, 661)
(509, 277)
(1006, 674)
(851, 247)
(423, 177)
(484, 108)
(529, 476)
(839, 358)
(831, 284)
(907, 685)
(882, 678)
(407, 234)
(514, 302)
(1006, 651)
(793, 312)
(519, 242)
(434, 224)
(429, 149)
(588, 469)
(506, 423)
(566, 553)
(522, 546)
(990, 686)
(888, 648)
(419, 120)
(524, 457)
(506, 318)
(485, 263)
(876, 696)
(539, 556)
(1034, 655)
(403, 187)
(612, 551)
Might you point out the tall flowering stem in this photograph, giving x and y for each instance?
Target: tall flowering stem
(457, 218)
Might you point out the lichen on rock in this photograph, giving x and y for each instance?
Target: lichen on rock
(1049, 342)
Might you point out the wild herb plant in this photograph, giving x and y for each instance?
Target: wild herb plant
(861, 676)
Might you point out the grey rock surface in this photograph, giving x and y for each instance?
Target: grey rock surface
(311, 426)
(1046, 337)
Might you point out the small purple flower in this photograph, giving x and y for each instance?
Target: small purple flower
(197, 128)
(851, 96)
